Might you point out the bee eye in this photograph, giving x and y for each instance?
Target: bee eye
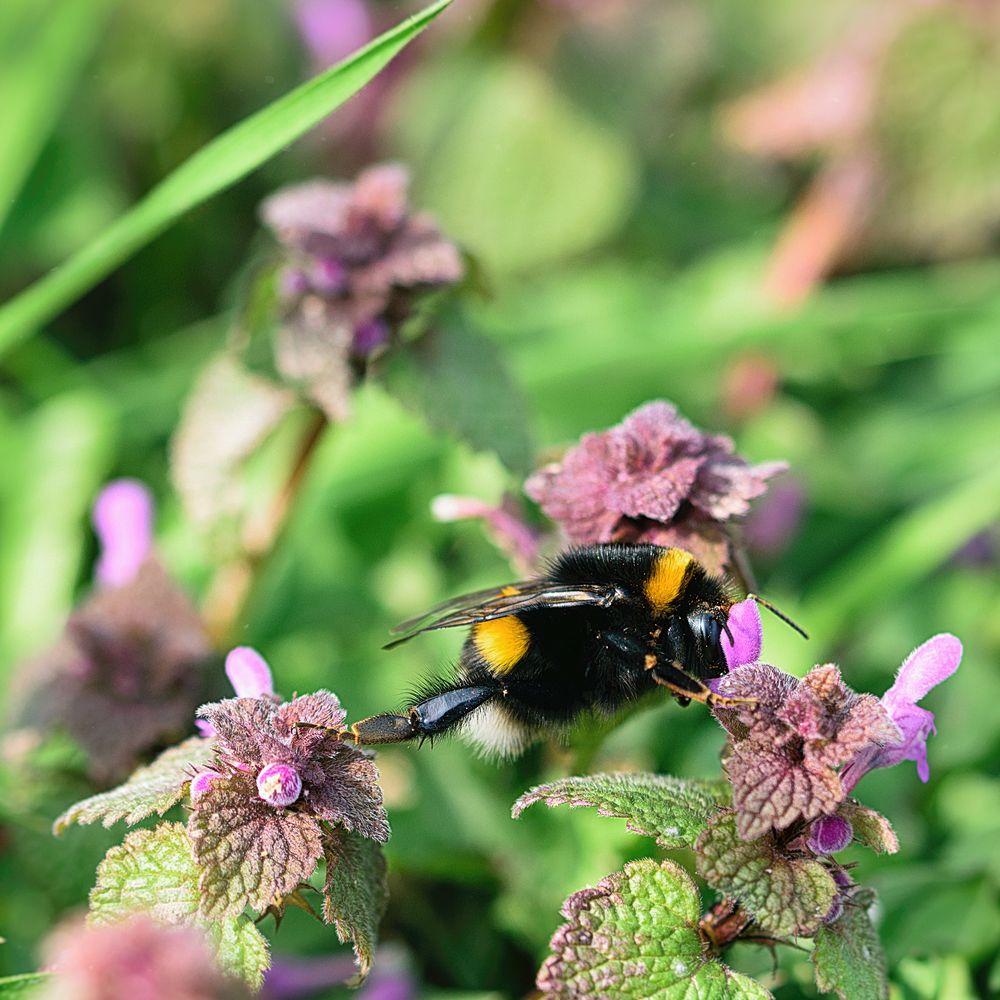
(706, 629)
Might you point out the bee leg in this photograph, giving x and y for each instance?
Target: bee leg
(427, 718)
(686, 688)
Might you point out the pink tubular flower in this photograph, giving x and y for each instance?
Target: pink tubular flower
(123, 521)
(745, 626)
(653, 478)
(926, 667)
(250, 677)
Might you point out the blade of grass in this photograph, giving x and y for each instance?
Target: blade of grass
(36, 76)
(226, 159)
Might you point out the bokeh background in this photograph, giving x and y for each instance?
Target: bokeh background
(782, 217)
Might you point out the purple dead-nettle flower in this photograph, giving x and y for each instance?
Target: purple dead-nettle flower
(250, 676)
(123, 523)
(356, 257)
(926, 667)
(786, 748)
(125, 677)
(653, 478)
(281, 774)
(506, 524)
(747, 635)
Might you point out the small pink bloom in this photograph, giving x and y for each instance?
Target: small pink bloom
(510, 532)
(123, 521)
(249, 673)
(279, 784)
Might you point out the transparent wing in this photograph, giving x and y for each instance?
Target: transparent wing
(498, 602)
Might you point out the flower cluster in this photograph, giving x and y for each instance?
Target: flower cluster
(125, 677)
(653, 478)
(355, 257)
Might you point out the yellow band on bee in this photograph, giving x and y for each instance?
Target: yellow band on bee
(501, 642)
(666, 581)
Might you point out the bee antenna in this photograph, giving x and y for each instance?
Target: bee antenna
(774, 611)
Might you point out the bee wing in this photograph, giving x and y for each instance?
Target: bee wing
(499, 602)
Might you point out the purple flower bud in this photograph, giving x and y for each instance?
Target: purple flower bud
(332, 29)
(744, 623)
(369, 335)
(249, 673)
(200, 783)
(829, 835)
(123, 520)
(279, 784)
(841, 877)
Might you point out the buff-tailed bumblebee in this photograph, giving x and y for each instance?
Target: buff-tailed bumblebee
(605, 624)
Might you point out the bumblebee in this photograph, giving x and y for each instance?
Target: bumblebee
(605, 625)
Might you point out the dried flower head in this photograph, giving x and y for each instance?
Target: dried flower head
(125, 677)
(653, 478)
(137, 958)
(356, 254)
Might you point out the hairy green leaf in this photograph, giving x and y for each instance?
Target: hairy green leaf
(870, 828)
(783, 895)
(225, 160)
(154, 788)
(673, 810)
(848, 957)
(458, 380)
(249, 852)
(154, 872)
(636, 936)
(354, 893)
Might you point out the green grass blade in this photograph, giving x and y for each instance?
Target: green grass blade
(40, 63)
(226, 159)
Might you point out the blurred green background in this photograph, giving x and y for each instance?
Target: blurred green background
(782, 218)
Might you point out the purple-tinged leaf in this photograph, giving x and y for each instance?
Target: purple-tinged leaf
(355, 892)
(249, 853)
(154, 788)
(785, 896)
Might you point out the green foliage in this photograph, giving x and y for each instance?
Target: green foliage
(23, 986)
(154, 788)
(848, 955)
(674, 810)
(870, 828)
(511, 213)
(224, 161)
(154, 872)
(355, 892)
(458, 379)
(785, 896)
(636, 935)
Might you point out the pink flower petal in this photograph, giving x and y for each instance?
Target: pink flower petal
(123, 521)
(249, 673)
(926, 667)
(745, 625)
